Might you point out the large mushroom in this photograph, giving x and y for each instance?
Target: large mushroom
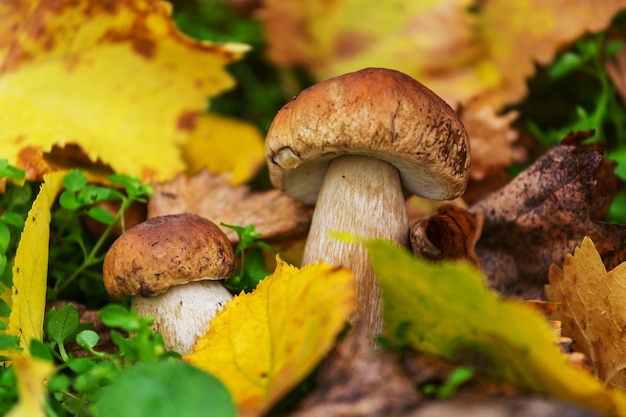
(171, 266)
(356, 145)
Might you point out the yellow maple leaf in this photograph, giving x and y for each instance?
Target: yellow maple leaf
(265, 342)
(116, 79)
(30, 269)
(225, 145)
(31, 376)
(592, 309)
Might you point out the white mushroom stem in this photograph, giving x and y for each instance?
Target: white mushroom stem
(363, 196)
(182, 313)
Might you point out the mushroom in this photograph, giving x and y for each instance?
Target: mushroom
(171, 266)
(356, 145)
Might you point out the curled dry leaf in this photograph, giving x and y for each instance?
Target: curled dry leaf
(543, 214)
(274, 214)
(592, 310)
(452, 233)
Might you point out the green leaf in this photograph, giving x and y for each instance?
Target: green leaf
(62, 323)
(87, 339)
(92, 194)
(612, 48)
(565, 64)
(5, 236)
(74, 180)
(165, 389)
(13, 219)
(81, 365)
(9, 171)
(9, 342)
(40, 350)
(68, 200)
(452, 313)
(457, 377)
(114, 315)
(101, 214)
(5, 310)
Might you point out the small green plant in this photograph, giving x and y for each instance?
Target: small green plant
(130, 382)
(252, 264)
(579, 76)
(601, 109)
(75, 254)
(457, 377)
(14, 205)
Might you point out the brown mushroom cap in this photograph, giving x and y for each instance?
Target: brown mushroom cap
(166, 251)
(373, 112)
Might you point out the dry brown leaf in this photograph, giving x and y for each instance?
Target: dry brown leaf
(494, 141)
(355, 380)
(592, 310)
(541, 215)
(452, 233)
(274, 214)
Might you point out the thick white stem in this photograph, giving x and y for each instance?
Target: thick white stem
(363, 196)
(182, 313)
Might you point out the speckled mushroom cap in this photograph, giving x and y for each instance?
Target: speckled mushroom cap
(374, 112)
(166, 251)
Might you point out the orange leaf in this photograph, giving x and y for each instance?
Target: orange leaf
(592, 310)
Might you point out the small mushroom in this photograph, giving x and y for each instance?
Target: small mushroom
(171, 266)
(356, 145)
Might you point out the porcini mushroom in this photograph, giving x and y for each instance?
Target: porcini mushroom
(171, 266)
(356, 145)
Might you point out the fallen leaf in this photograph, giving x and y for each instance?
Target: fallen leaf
(262, 344)
(32, 375)
(543, 214)
(30, 269)
(447, 310)
(222, 144)
(356, 380)
(494, 141)
(115, 80)
(520, 34)
(450, 234)
(591, 309)
(484, 49)
(333, 38)
(274, 214)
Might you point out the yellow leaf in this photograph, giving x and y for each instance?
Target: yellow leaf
(592, 310)
(265, 342)
(115, 79)
(225, 145)
(447, 310)
(518, 34)
(487, 51)
(30, 269)
(31, 377)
